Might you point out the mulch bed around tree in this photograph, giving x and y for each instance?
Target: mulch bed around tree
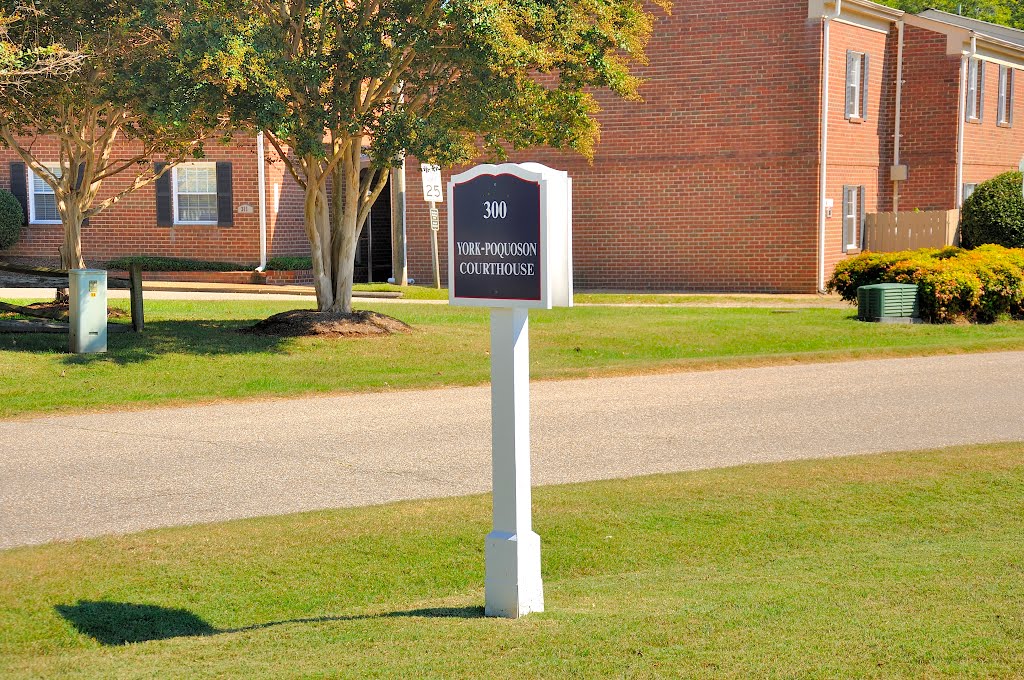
(307, 322)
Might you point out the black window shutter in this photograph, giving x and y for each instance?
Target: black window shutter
(164, 205)
(19, 186)
(864, 88)
(225, 198)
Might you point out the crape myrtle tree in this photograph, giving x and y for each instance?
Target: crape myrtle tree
(21, 63)
(343, 88)
(125, 88)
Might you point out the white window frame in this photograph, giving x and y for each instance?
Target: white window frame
(966, 191)
(854, 197)
(975, 90)
(174, 192)
(52, 167)
(856, 85)
(1004, 114)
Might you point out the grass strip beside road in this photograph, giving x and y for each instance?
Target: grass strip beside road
(900, 565)
(191, 351)
(697, 299)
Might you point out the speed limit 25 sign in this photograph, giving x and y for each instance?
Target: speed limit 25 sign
(432, 189)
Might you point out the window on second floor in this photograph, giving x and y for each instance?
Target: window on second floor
(1005, 112)
(857, 70)
(975, 90)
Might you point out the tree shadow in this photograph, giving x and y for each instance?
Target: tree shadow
(120, 623)
(200, 337)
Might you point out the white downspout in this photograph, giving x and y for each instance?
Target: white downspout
(961, 112)
(899, 113)
(261, 180)
(823, 160)
(961, 121)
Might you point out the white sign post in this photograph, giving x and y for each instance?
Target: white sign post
(510, 249)
(433, 194)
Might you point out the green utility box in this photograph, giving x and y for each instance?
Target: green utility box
(888, 303)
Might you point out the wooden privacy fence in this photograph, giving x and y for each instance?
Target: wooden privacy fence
(23, 276)
(890, 232)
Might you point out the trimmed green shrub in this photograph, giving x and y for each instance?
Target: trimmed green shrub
(174, 264)
(980, 285)
(289, 263)
(994, 213)
(11, 218)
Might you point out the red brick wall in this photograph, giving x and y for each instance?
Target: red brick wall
(929, 122)
(859, 151)
(286, 231)
(711, 183)
(129, 227)
(991, 149)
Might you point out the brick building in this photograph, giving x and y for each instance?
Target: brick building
(767, 133)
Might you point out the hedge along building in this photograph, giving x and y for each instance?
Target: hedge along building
(767, 134)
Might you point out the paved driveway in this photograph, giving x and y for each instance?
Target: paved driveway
(70, 477)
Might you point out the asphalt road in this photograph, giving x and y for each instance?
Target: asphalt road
(70, 477)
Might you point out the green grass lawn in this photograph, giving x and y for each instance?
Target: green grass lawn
(900, 565)
(192, 352)
(737, 299)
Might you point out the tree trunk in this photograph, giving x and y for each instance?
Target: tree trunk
(345, 211)
(317, 222)
(71, 249)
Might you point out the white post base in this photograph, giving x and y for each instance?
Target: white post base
(513, 587)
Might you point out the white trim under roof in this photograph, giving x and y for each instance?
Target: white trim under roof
(974, 38)
(863, 13)
(1010, 35)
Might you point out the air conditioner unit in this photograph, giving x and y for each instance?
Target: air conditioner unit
(888, 303)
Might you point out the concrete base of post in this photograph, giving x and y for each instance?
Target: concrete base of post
(513, 587)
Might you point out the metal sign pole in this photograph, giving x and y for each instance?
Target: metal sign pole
(512, 586)
(435, 225)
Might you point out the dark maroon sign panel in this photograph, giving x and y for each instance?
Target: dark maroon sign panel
(496, 238)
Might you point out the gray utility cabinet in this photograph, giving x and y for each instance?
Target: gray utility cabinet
(888, 302)
(88, 310)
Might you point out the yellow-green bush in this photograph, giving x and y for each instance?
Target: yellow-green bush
(980, 285)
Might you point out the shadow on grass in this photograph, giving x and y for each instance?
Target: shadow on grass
(120, 623)
(194, 337)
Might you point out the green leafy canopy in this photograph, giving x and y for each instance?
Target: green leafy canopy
(1005, 12)
(444, 80)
